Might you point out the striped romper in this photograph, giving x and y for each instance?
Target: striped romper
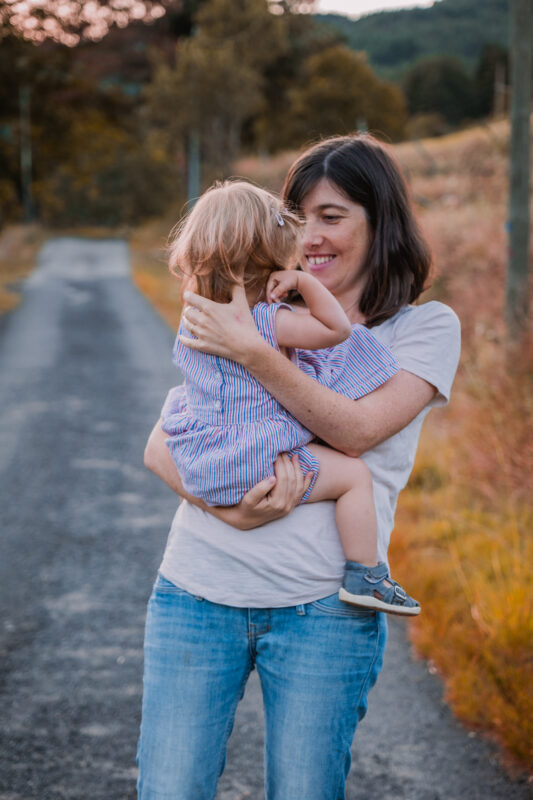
(229, 430)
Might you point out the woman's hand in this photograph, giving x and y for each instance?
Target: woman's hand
(270, 499)
(223, 329)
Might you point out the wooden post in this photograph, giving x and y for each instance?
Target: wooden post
(26, 152)
(517, 290)
(193, 168)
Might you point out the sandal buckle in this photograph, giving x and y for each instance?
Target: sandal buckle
(400, 593)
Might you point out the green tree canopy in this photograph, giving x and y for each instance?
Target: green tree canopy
(443, 85)
(339, 92)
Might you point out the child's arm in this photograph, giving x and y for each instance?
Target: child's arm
(325, 325)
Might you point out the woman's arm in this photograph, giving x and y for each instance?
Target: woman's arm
(353, 427)
(271, 499)
(322, 324)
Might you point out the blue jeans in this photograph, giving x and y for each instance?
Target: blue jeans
(316, 664)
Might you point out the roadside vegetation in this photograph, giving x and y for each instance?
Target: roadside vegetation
(463, 540)
(19, 246)
(150, 270)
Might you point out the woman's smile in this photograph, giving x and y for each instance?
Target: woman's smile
(316, 263)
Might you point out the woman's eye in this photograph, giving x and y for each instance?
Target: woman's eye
(330, 218)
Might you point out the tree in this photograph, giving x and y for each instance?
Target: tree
(271, 128)
(217, 80)
(440, 84)
(69, 21)
(339, 92)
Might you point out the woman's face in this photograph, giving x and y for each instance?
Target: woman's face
(335, 242)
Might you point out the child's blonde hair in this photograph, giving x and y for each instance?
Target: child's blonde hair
(236, 233)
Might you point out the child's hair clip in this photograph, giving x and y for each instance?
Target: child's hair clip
(279, 219)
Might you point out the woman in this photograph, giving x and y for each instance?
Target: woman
(227, 601)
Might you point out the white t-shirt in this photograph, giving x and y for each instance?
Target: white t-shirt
(299, 558)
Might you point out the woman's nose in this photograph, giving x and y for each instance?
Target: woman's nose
(312, 236)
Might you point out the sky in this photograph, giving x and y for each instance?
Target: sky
(354, 8)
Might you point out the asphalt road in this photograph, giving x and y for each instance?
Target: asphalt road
(84, 366)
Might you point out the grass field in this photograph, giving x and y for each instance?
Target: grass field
(463, 540)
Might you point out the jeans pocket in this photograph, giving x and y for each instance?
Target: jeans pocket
(336, 607)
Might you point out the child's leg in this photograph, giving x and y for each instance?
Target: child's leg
(366, 583)
(348, 481)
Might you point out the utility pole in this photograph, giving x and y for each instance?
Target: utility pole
(517, 289)
(500, 90)
(26, 152)
(193, 168)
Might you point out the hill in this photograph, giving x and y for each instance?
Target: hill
(393, 40)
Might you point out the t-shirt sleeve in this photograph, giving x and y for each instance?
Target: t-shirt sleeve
(427, 343)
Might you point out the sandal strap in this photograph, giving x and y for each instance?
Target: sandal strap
(375, 574)
(393, 594)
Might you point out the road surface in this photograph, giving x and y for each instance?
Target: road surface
(84, 366)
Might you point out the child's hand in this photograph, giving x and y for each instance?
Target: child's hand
(280, 284)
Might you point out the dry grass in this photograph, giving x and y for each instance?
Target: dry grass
(463, 537)
(19, 246)
(150, 269)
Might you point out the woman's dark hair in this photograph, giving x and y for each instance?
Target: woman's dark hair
(399, 258)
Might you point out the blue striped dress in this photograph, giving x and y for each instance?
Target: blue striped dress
(228, 430)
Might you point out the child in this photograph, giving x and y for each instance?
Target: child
(230, 430)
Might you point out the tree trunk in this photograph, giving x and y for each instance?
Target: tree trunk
(517, 305)
(26, 152)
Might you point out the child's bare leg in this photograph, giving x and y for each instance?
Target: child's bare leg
(366, 583)
(348, 481)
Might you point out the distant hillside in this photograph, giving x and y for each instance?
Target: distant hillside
(394, 39)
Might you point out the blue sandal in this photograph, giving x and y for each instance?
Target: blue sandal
(373, 587)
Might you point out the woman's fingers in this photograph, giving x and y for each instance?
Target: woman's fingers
(197, 301)
(271, 498)
(224, 329)
(194, 316)
(193, 344)
(290, 483)
(281, 492)
(256, 495)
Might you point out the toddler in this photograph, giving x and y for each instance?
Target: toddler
(230, 430)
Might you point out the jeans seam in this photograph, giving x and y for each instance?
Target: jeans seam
(371, 667)
(231, 720)
(361, 693)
